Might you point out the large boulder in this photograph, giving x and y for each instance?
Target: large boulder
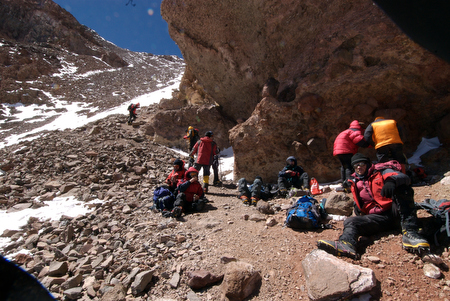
(335, 62)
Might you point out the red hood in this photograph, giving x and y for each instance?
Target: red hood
(191, 169)
(355, 125)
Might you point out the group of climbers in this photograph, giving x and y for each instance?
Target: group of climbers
(381, 191)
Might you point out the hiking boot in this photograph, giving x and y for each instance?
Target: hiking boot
(244, 200)
(282, 193)
(254, 201)
(166, 213)
(217, 183)
(338, 248)
(414, 243)
(176, 212)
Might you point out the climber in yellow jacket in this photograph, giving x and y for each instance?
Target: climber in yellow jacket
(384, 135)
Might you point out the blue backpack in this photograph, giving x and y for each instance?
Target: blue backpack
(163, 198)
(304, 214)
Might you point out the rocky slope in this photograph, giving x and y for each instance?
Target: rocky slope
(335, 62)
(122, 250)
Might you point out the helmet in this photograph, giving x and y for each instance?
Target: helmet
(190, 128)
(209, 134)
(138, 105)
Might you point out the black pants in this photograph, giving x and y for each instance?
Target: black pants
(284, 183)
(391, 152)
(403, 213)
(132, 117)
(215, 167)
(195, 206)
(346, 166)
(206, 168)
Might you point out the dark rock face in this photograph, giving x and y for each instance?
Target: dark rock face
(335, 62)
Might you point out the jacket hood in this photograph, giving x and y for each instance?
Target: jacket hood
(355, 125)
(187, 174)
(293, 159)
(206, 139)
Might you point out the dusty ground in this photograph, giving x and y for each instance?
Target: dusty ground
(278, 251)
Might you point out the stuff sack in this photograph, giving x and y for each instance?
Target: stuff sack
(163, 198)
(314, 187)
(440, 210)
(304, 214)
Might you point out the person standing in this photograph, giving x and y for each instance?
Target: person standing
(132, 110)
(192, 136)
(383, 199)
(384, 135)
(346, 145)
(205, 149)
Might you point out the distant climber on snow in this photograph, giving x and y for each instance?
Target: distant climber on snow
(132, 110)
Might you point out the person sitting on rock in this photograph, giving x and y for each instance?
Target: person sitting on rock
(190, 195)
(250, 195)
(292, 175)
(132, 110)
(175, 175)
(383, 197)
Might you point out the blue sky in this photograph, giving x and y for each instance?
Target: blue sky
(136, 25)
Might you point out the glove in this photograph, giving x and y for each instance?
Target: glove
(388, 189)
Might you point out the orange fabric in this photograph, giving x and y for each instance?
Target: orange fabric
(385, 132)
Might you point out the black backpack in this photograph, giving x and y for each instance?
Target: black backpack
(130, 107)
(440, 210)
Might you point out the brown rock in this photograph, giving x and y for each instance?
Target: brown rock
(200, 279)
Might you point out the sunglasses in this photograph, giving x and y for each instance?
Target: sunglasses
(359, 164)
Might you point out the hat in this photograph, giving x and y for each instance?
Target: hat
(178, 162)
(209, 134)
(359, 158)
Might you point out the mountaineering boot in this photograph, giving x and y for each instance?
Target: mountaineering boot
(282, 193)
(217, 183)
(176, 212)
(244, 200)
(205, 184)
(254, 200)
(414, 242)
(338, 248)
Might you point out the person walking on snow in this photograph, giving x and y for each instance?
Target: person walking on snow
(132, 109)
(346, 145)
(205, 149)
(383, 199)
